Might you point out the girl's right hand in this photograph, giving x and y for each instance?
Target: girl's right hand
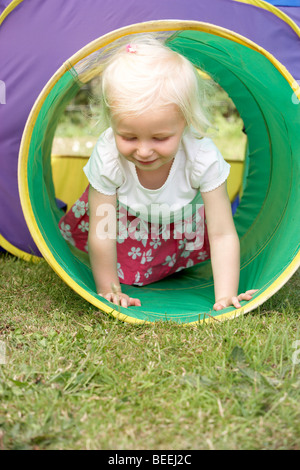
(119, 298)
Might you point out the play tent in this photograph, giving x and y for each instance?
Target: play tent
(258, 67)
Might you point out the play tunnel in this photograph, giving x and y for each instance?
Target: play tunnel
(267, 218)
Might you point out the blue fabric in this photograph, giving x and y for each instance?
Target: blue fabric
(285, 3)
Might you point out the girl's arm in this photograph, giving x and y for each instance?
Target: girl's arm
(224, 247)
(103, 250)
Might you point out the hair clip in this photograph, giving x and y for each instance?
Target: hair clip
(131, 48)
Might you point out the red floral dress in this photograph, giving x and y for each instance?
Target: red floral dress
(146, 252)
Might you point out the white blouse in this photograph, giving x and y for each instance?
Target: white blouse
(197, 166)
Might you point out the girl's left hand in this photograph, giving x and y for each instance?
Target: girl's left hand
(235, 301)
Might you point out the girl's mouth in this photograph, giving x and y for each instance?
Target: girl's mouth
(147, 162)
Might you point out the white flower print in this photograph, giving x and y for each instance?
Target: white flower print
(194, 225)
(137, 279)
(147, 257)
(138, 230)
(200, 229)
(155, 230)
(148, 273)
(84, 226)
(122, 215)
(155, 243)
(135, 252)
(188, 227)
(190, 263)
(79, 208)
(181, 244)
(202, 255)
(165, 233)
(170, 260)
(180, 269)
(122, 234)
(120, 271)
(65, 231)
(195, 244)
(178, 230)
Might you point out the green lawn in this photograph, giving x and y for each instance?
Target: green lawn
(75, 378)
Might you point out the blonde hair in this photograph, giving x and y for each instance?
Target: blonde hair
(145, 74)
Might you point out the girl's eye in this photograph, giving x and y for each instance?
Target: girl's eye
(161, 139)
(128, 139)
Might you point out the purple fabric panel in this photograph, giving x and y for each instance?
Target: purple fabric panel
(39, 35)
(266, 30)
(293, 13)
(3, 5)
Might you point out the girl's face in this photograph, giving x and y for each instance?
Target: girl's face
(152, 139)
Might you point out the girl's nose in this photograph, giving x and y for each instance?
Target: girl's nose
(144, 150)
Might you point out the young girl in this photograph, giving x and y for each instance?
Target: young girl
(152, 174)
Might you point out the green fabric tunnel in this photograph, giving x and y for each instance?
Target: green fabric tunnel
(267, 219)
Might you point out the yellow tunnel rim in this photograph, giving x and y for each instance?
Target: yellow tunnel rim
(12, 249)
(151, 26)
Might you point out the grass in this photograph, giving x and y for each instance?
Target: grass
(75, 378)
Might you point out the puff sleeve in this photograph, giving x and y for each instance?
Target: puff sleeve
(103, 169)
(208, 169)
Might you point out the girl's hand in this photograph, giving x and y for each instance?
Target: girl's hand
(119, 298)
(235, 301)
